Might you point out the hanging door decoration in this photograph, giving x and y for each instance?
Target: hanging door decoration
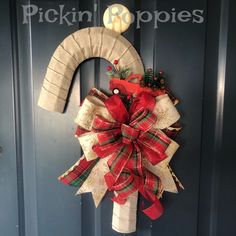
(127, 138)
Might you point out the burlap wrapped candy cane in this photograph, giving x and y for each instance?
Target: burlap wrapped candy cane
(88, 173)
(72, 51)
(116, 168)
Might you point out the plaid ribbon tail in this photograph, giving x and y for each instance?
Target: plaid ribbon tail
(149, 191)
(78, 173)
(154, 211)
(117, 163)
(126, 188)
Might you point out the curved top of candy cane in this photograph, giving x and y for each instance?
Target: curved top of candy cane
(74, 49)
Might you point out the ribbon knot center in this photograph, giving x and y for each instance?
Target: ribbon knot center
(129, 134)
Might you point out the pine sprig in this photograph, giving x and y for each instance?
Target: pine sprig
(153, 80)
(113, 72)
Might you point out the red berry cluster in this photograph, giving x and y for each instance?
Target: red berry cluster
(153, 80)
(110, 68)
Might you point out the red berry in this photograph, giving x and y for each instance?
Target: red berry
(149, 70)
(115, 62)
(109, 68)
(155, 79)
(149, 84)
(161, 72)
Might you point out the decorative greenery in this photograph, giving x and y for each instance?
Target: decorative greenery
(113, 72)
(153, 80)
(150, 79)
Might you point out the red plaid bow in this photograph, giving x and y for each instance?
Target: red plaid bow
(129, 141)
